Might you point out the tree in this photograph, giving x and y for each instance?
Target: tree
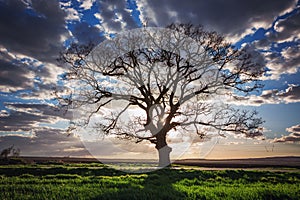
(172, 79)
(6, 152)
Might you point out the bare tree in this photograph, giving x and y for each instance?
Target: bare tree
(6, 152)
(163, 80)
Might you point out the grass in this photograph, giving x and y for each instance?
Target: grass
(95, 181)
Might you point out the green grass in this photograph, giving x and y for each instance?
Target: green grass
(95, 181)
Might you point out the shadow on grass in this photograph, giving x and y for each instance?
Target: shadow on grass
(166, 183)
(99, 182)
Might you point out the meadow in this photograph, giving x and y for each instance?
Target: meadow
(96, 181)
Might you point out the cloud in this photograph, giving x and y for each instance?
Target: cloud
(287, 29)
(72, 14)
(115, 16)
(26, 117)
(281, 46)
(231, 17)
(34, 30)
(14, 76)
(290, 95)
(86, 4)
(294, 129)
(293, 137)
(285, 62)
(46, 142)
(25, 73)
(85, 33)
(54, 142)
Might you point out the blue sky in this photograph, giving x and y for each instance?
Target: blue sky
(33, 32)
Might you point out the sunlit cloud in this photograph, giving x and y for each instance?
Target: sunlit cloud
(293, 137)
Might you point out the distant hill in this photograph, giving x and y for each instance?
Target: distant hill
(293, 162)
(244, 163)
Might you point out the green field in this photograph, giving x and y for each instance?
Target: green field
(95, 181)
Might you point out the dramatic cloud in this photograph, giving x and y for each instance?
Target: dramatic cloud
(231, 17)
(35, 30)
(25, 117)
(85, 33)
(293, 137)
(14, 76)
(290, 95)
(285, 62)
(281, 46)
(287, 29)
(115, 16)
(46, 142)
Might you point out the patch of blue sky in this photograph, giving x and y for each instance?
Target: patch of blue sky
(61, 78)
(75, 4)
(260, 33)
(61, 124)
(283, 82)
(131, 4)
(112, 35)
(65, 1)
(277, 47)
(257, 35)
(287, 115)
(276, 123)
(291, 78)
(72, 26)
(286, 15)
(16, 97)
(89, 17)
(17, 133)
(37, 80)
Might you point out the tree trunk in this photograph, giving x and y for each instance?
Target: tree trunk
(164, 156)
(163, 151)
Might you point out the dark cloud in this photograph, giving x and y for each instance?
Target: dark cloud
(293, 137)
(14, 76)
(54, 142)
(257, 58)
(27, 74)
(86, 33)
(46, 142)
(288, 29)
(34, 30)
(228, 17)
(26, 117)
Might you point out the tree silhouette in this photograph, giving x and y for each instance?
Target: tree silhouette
(6, 152)
(146, 83)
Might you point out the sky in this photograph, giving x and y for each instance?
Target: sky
(34, 32)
